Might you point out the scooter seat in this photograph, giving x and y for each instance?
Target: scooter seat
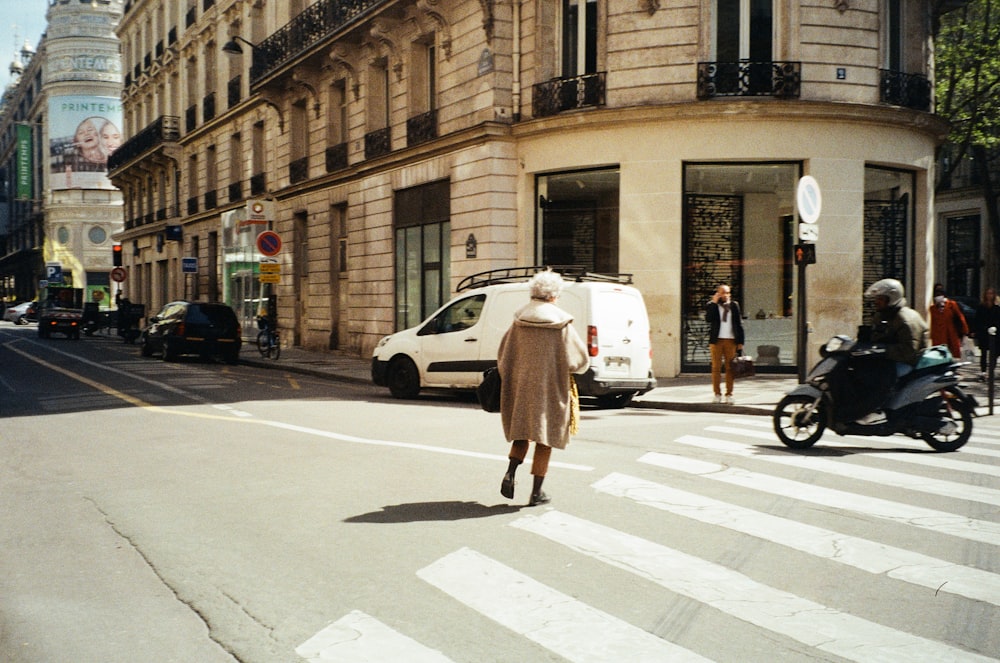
(934, 356)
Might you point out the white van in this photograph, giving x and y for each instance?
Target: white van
(453, 347)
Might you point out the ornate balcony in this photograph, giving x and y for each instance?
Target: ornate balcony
(208, 107)
(312, 26)
(782, 80)
(211, 199)
(336, 157)
(421, 128)
(298, 170)
(166, 129)
(378, 143)
(563, 94)
(235, 191)
(906, 90)
(191, 118)
(258, 184)
(234, 90)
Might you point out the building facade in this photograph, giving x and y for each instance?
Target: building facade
(66, 114)
(396, 147)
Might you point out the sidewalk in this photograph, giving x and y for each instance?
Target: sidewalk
(689, 392)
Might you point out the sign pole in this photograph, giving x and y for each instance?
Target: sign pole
(809, 202)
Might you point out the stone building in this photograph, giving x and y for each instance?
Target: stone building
(65, 113)
(396, 146)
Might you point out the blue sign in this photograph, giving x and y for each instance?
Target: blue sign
(53, 272)
(189, 265)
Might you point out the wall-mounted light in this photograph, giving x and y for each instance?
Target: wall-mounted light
(233, 48)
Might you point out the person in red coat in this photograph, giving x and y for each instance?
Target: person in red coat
(948, 326)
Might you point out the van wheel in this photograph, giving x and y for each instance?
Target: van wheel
(403, 378)
(615, 401)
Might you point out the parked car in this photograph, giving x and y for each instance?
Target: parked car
(22, 314)
(207, 329)
(452, 348)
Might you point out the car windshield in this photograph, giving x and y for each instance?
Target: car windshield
(207, 315)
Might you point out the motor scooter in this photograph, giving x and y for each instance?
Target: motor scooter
(853, 390)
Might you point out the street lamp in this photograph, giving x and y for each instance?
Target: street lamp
(234, 48)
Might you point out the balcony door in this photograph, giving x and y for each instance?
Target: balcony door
(744, 44)
(579, 37)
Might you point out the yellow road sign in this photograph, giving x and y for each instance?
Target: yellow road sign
(270, 268)
(270, 278)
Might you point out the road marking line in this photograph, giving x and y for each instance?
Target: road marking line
(570, 628)
(137, 402)
(924, 457)
(739, 596)
(905, 514)
(357, 637)
(876, 558)
(938, 487)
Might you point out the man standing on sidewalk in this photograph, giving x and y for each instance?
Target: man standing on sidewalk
(725, 338)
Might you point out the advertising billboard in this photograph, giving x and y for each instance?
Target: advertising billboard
(83, 132)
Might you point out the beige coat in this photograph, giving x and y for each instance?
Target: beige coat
(536, 357)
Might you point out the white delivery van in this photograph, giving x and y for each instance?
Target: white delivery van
(452, 348)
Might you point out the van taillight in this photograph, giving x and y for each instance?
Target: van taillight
(592, 340)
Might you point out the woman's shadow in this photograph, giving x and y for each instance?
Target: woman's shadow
(430, 511)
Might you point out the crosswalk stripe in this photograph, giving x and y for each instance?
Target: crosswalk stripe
(360, 638)
(937, 460)
(560, 623)
(921, 484)
(906, 514)
(735, 594)
(877, 558)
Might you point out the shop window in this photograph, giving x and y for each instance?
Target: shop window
(578, 219)
(888, 233)
(739, 230)
(423, 245)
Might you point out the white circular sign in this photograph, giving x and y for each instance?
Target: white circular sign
(809, 199)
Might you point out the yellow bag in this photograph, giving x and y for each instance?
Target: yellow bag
(574, 407)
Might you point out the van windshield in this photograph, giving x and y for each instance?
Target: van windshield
(459, 315)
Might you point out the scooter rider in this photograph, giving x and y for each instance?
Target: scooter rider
(896, 326)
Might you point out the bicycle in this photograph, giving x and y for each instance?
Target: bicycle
(268, 339)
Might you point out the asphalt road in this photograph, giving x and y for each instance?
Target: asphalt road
(199, 512)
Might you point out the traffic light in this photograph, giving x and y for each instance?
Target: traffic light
(805, 254)
(116, 253)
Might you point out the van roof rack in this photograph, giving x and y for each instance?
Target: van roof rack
(576, 273)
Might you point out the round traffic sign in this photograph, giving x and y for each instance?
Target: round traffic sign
(118, 274)
(809, 199)
(269, 243)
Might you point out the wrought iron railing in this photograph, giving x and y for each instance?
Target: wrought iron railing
(421, 128)
(336, 157)
(314, 24)
(211, 199)
(165, 129)
(191, 118)
(193, 205)
(563, 94)
(746, 78)
(208, 107)
(258, 184)
(298, 170)
(233, 90)
(378, 143)
(235, 191)
(907, 90)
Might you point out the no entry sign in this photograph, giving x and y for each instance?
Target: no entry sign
(269, 243)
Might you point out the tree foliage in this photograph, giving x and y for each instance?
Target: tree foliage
(968, 74)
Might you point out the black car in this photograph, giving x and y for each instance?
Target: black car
(186, 328)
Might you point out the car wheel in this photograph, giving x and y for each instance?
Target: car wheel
(145, 349)
(169, 351)
(231, 357)
(21, 320)
(403, 378)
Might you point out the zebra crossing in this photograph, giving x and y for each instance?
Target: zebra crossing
(742, 456)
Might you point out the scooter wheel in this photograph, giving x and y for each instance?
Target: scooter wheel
(796, 425)
(954, 408)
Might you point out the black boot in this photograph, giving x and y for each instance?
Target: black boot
(537, 496)
(507, 485)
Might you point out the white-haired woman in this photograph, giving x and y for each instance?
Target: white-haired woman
(537, 356)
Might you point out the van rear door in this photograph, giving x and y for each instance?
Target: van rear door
(622, 328)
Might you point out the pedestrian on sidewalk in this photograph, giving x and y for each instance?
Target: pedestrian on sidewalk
(538, 400)
(725, 338)
(948, 326)
(987, 315)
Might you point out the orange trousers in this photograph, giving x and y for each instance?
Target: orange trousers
(540, 461)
